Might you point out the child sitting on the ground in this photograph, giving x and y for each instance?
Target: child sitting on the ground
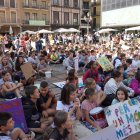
(6, 125)
(10, 89)
(47, 100)
(42, 67)
(63, 127)
(92, 101)
(121, 95)
(90, 83)
(36, 119)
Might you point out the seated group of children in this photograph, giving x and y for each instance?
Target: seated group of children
(69, 117)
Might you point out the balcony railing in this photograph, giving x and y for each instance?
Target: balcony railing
(2, 20)
(10, 21)
(13, 20)
(6, 4)
(35, 6)
(86, 7)
(36, 22)
(56, 3)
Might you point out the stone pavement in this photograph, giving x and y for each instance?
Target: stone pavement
(59, 74)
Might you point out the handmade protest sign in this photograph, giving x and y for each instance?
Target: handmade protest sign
(105, 63)
(104, 134)
(15, 108)
(125, 117)
(27, 70)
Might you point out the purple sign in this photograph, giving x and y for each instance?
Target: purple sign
(15, 108)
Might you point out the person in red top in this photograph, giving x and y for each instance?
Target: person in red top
(92, 72)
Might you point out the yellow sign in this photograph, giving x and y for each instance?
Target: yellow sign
(105, 63)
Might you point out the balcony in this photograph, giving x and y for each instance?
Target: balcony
(13, 20)
(55, 4)
(76, 7)
(2, 20)
(86, 7)
(43, 7)
(36, 22)
(75, 23)
(6, 5)
(35, 6)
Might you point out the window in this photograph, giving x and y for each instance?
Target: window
(75, 18)
(75, 3)
(34, 16)
(66, 2)
(129, 2)
(66, 18)
(26, 2)
(123, 3)
(34, 3)
(85, 5)
(1, 3)
(94, 11)
(13, 17)
(27, 16)
(43, 4)
(44, 17)
(135, 2)
(2, 17)
(12, 3)
(56, 2)
(94, 22)
(55, 17)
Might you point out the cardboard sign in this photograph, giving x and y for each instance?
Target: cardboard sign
(105, 63)
(104, 134)
(61, 84)
(125, 117)
(15, 108)
(27, 70)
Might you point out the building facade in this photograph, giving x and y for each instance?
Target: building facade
(96, 14)
(90, 15)
(65, 14)
(120, 13)
(10, 15)
(24, 15)
(35, 15)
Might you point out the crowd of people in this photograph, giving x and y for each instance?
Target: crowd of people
(69, 117)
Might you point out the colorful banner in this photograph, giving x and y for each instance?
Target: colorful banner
(125, 117)
(15, 108)
(105, 63)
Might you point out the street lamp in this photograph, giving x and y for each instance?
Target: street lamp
(88, 19)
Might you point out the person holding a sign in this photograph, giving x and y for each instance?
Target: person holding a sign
(19, 75)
